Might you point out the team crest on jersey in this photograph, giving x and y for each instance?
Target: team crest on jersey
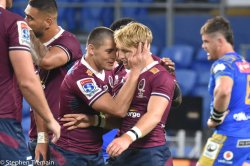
(141, 86)
(23, 33)
(111, 82)
(154, 70)
(88, 87)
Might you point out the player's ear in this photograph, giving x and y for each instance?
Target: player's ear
(48, 22)
(90, 49)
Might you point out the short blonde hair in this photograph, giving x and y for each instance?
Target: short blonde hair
(132, 34)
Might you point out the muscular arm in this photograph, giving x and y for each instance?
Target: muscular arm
(47, 58)
(222, 93)
(119, 105)
(146, 123)
(31, 87)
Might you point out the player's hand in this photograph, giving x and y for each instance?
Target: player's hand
(213, 124)
(73, 121)
(55, 128)
(169, 65)
(119, 145)
(41, 151)
(138, 60)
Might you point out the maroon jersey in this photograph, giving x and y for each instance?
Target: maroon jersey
(14, 36)
(119, 76)
(81, 87)
(52, 79)
(153, 81)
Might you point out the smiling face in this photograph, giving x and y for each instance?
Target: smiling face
(104, 56)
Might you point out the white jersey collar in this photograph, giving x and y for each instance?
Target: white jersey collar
(100, 75)
(149, 66)
(54, 37)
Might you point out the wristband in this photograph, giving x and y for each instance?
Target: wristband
(216, 116)
(100, 121)
(131, 135)
(103, 121)
(96, 120)
(137, 131)
(42, 137)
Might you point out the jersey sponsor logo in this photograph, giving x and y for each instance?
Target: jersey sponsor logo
(154, 70)
(23, 33)
(141, 86)
(227, 158)
(228, 155)
(243, 143)
(241, 116)
(211, 150)
(244, 67)
(219, 67)
(133, 113)
(88, 87)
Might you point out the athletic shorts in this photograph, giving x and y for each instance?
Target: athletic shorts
(61, 157)
(13, 148)
(222, 150)
(155, 156)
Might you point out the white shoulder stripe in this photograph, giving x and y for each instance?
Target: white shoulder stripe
(160, 94)
(19, 48)
(65, 50)
(97, 96)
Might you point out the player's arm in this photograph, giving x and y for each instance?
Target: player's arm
(73, 121)
(48, 58)
(42, 138)
(222, 95)
(146, 123)
(31, 88)
(119, 105)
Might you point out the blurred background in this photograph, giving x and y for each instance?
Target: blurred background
(176, 28)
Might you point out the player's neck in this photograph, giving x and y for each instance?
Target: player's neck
(92, 64)
(50, 33)
(149, 60)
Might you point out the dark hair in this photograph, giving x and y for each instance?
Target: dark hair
(97, 36)
(48, 6)
(221, 25)
(121, 22)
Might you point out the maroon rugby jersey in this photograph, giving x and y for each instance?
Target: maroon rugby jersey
(52, 79)
(14, 35)
(119, 76)
(155, 81)
(81, 87)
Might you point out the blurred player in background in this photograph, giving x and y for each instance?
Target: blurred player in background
(17, 71)
(229, 88)
(57, 50)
